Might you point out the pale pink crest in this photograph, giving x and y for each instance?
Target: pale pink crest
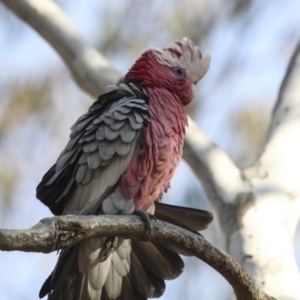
(186, 55)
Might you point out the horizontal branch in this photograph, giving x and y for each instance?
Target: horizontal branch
(65, 231)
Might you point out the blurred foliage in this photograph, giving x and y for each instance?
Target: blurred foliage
(130, 27)
(25, 100)
(250, 123)
(9, 178)
(237, 7)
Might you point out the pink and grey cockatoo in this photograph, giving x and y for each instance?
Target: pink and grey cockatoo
(120, 158)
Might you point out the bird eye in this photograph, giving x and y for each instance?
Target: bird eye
(179, 72)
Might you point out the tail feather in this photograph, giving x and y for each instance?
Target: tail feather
(46, 287)
(189, 218)
(161, 261)
(143, 281)
(129, 291)
(66, 281)
(149, 266)
(80, 288)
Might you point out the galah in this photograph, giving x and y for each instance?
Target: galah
(120, 159)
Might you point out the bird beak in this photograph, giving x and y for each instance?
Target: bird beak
(202, 67)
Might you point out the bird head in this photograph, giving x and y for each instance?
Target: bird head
(177, 69)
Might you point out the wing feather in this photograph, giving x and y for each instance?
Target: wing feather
(93, 160)
(101, 146)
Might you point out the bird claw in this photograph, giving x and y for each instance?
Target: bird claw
(146, 218)
(109, 247)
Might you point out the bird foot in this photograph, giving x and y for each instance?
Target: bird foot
(109, 247)
(146, 218)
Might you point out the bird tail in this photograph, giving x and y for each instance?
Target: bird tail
(136, 270)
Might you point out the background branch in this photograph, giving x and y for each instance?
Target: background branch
(90, 69)
(289, 91)
(221, 178)
(65, 231)
(280, 159)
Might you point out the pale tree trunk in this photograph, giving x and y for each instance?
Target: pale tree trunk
(258, 207)
(268, 224)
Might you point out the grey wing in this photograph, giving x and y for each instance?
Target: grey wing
(99, 151)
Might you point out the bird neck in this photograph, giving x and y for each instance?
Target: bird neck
(167, 111)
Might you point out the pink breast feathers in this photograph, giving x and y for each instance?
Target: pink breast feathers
(151, 170)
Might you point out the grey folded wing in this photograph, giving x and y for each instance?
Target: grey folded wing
(101, 146)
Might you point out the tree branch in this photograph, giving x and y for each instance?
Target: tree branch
(221, 178)
(284, 134)
(275, 207)
(90, 69)
(65, 231)
(289, 91)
